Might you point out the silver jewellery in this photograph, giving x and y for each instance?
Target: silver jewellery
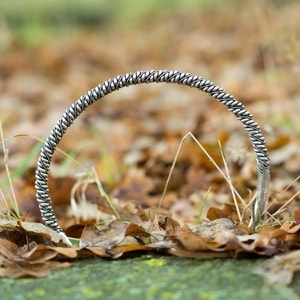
(139, 77)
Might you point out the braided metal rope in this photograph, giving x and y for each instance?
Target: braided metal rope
(134, 78)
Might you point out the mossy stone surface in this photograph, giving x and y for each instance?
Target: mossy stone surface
(151, 277)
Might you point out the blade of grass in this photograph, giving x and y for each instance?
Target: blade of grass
(280, 209)
(95, 178)
(215, 165)
(171, 171)
(12, 199)
(286, 203)
(35, 151)
(67, 162)
(26, 162)
(190, 134)
(80, 207)
(92, 175)
(231, 185)
(225, 176)
(5, 204)
(104, 194)
(113, 171)
(203, 203)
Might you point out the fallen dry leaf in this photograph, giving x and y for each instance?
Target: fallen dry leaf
(280, 269)
(36, 270)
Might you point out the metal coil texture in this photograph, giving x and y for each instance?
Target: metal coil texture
(139, 77)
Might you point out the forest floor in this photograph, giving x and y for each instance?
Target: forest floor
(131, 138)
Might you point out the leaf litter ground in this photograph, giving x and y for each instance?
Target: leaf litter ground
(131, 140)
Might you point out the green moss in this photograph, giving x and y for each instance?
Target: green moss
(150, 277)
(156, 262)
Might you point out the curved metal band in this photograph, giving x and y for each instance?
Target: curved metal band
(134, 78)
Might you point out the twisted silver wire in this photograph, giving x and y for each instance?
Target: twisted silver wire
(139, 77)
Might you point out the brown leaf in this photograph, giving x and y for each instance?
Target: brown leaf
(135, 186)
(136, 231)
(285, 228)
(41, 231)
(33, 253)
(280, 141)
(105, 236)
(33, 270)
(66, 252)
(184, 238)
(9, 230)
(99, 251)
(118, 251)
(8, 250)
(296, 215)
(280, 269)
(75, 231)
(210, 229)
(228, 211)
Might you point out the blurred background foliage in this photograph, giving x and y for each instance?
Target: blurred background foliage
(36, 21)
